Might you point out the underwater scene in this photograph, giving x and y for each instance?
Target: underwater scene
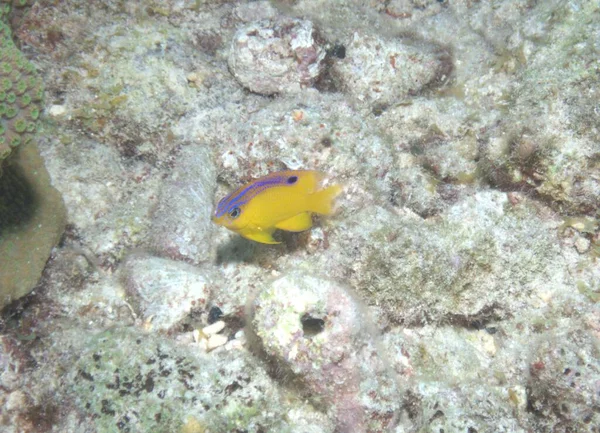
(300, 216)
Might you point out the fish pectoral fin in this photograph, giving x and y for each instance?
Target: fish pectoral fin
(297, 223)
(264, 237)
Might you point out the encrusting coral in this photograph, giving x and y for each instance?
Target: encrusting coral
(21, 92)
(32, 214)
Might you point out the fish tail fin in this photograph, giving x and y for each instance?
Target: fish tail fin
(322, 201)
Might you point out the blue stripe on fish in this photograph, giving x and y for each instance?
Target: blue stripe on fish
(247, 194)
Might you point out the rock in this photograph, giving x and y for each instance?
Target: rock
(164, 292)
(384, 71)
(564, 386)
(213, 328)
(480, 259)
(181, 224)
(458, 408)
(215, 341)
(142, 382)
(32, 219)
(534, 148)
(314, 328)
(279, 55)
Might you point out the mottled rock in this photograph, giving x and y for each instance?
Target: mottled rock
(548, 141)
(181, 223)
(108, 201)
(315, 329)
(254, 11)
(162, 291)
(383, 71)
(561, 169)
(280, 55)
(123, 380)
(564, 386)
(412, 9)
(459, 408)
(480, 259)
(455, 377)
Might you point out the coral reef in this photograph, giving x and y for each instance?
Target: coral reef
(455, 288)
(32, 219)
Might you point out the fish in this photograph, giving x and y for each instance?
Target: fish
(283, 200)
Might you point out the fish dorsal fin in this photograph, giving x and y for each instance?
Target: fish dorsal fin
(297, 223)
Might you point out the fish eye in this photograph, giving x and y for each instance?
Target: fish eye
(292, 179)
(235, 212)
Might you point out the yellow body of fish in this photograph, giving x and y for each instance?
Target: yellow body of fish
(282, 200)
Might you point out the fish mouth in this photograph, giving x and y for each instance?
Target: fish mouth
(220, 221)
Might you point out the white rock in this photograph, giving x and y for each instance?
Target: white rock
(582, 245)
(215, 341)
(57, 110)
(213, 329)
(163, 292)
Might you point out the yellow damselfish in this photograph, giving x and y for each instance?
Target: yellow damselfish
(282, 200)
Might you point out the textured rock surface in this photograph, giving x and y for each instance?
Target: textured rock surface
(163, 292)
(564, 387)
(556, 159)
(455, 268)
(281, 55)
(153, 385)
(380, 71)
(181, 225)
(314, 328)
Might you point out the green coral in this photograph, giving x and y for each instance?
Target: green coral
(21, 93)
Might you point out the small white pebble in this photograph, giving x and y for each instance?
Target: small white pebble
(196, 335)
(240, 334)
(582, 245)
(213, 329)
(518, 396)
(203, 343)
(57, 110)
(215, 341)
(16, 400)
(234, 345)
